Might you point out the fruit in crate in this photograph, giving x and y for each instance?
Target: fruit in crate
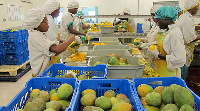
(49, 109)
(170, 107)
(183, 96)
(159, 89)
(103, 102)
(114, 100)
(52, 91)
(20, 110)
(92, 108)
(122, 107)
(82, 77)
(121, 96)
(42, 94)
(88, 99)
(34, 92)
(54, 96)
(125, 100)
(186, 107)
(153, 99)
(174, 86)
(64, 104)
(168, 95)
(37, 105)
(68, 76)
(54, 105)
(109, 94)
(144, 89)
(87, 91)
(144, 103)
(151, 108)
(65, 91)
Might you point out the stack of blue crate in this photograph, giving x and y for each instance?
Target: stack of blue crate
(14, 47)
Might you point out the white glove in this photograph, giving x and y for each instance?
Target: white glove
(145, 45)
(78, 40)
(154, 52)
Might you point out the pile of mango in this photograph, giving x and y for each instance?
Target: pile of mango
(77, 57)
(169, 98)
(108, 102)
(149, 72)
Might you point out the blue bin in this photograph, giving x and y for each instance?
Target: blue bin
(101, 86)
(7, 36)
(38, 83)
(13, 47)
(164, 81)
(139, 28)
(99, 70)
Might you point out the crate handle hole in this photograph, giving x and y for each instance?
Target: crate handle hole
(54, 83)
(155, 83)
(104, 85)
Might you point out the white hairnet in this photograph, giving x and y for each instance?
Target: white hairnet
(73, 4)
(33, 18)
(50, 6)
(127, 10)
(189, 4)
(154, 8)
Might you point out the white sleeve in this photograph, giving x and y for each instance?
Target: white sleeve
(188, 30)
(177, 54)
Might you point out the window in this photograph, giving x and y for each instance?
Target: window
(90, 11)
(58, 19)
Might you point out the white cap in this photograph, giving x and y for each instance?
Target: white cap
(50, 6)
(73, 4)
(127, 10)
(189, 4)
(33, 18)
(154, 8)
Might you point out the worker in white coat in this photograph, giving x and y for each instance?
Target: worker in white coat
(68, 26)
(151, 36)
(170, 51)
(40, 47)
(51, 8)
(186, 25)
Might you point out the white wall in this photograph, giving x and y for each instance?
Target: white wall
(4, 13)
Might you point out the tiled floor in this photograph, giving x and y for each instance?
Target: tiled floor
(8, 90)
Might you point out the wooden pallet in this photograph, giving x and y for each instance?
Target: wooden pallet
(11, 69)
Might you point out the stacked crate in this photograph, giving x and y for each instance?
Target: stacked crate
(14, 47)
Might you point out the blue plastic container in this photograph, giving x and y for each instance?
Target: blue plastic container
(8, 36)
(14, 58)
(139, 28)
(100, 86)
(164, 81)
(13, 47)
(100, 70)
(25, 34)
(38, 83)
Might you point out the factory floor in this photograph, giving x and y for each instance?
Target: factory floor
(8, 90)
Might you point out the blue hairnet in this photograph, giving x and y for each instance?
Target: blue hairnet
(166, 12)
(178, 9)
(79, 13)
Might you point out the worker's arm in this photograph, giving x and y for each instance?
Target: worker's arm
(162, 57)
(75, 31)
(85, 26)
(61, 47)
(198, 38)
(118, 22)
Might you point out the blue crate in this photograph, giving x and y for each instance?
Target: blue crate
(99, 70)
(25, 43)
(7, 36)
(12, 47)
(164, 81)
(13, 58)
(38, 83)
(101, 86)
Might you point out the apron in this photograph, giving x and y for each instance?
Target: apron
(55, 59)
(189, 52)
(161, 65)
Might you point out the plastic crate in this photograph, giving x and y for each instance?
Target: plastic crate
(133, 70)
(60, 69)
(13, 47)
(25, 45)
(38, 83)
(25, 34)
(101, 86)
(14, 58)
(164, 81)
(7, 36)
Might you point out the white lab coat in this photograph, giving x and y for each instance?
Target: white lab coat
(186, 25)
(39, 54)
(151, 36)
(53, 31)
(173, 45)
(65, 34)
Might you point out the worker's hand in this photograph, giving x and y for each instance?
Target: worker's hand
(145, 45)
(154, 52)
(78, 40)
